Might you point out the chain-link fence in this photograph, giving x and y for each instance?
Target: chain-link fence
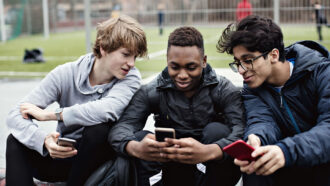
(25, 16)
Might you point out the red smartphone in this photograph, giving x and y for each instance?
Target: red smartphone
(239, 150)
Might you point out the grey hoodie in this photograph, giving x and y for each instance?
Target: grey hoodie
(84, 105)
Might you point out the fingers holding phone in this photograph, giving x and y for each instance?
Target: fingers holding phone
(55, 150)
(162, 133)
(146, 149)
(254, 141)
(242, 152)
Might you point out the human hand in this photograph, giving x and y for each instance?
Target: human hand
(190, 151)
(56, 151)
(246, 166)
(27, 109)
(254, 141)
(147, 149)
(271, 159)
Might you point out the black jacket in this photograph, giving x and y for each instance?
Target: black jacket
(188, 116)
(297, 119)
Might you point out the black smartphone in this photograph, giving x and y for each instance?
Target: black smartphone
(162, 133)
(66, 142)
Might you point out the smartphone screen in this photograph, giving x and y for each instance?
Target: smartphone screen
(240, 150)
(162, 133)
(66, 142)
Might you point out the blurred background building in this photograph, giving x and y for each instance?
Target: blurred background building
(25, 16)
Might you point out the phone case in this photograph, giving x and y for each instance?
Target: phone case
(240, 150)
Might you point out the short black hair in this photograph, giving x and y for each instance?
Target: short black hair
(186, 36)
(255, 33)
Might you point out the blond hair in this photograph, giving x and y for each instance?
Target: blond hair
(122, 31)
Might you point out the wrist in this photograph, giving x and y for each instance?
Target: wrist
(130, 148)
(58, 114)
(216, 152)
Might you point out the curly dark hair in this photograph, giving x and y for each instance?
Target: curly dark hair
(186, 36)
(255, 33)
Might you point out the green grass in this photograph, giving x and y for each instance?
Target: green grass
(63, 47)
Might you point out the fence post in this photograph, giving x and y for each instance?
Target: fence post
(277, 11)
(87, 12)
(2, 22)
(46, 18)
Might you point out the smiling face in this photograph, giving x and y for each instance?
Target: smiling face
(118, 63)
(185, 67)
(257, 73)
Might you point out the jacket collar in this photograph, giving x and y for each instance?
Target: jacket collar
(209, 77)
(307, 54)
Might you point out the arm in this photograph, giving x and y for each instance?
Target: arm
(261, 130)
(312, 147)
(24, 130)
(108, 108)
(260, 119)
(132, 120)
(231, 105)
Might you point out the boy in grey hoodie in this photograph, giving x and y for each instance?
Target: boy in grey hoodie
(92, 93)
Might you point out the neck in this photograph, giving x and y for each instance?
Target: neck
(280, 73)
(99, 75)
(189, 94)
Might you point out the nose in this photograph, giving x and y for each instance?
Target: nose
(183, 74)
(131, 61)
(241, 70)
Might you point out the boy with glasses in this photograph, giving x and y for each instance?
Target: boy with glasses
(287, 100)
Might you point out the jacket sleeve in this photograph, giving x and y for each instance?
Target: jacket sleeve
(24, 130)
(233, 111)
(312, 147)
(132, 120)
(108, 108)
(260, 120)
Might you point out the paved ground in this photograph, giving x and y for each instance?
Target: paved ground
(14, 90)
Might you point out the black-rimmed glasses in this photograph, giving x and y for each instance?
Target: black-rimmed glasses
(247, 63)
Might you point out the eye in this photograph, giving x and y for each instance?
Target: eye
(192, 68)
(174, 67)
(126, 54)
(248, 61)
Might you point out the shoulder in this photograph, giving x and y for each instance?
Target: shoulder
(134, 72)
(225, 84)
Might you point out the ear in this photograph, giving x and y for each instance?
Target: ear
(103, 53)
(204, 61)
(274, 55)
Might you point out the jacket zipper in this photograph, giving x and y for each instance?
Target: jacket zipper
(286, 106)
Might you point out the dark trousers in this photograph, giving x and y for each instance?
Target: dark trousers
(302, 176)
(23, 163)
(221, 172)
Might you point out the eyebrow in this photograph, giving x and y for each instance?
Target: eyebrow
(188, 64)
(245, 56)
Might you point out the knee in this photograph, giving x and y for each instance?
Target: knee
(13, 145)
(214, 131)
(97, 132)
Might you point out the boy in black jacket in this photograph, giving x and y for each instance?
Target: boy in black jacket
(204, 109)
